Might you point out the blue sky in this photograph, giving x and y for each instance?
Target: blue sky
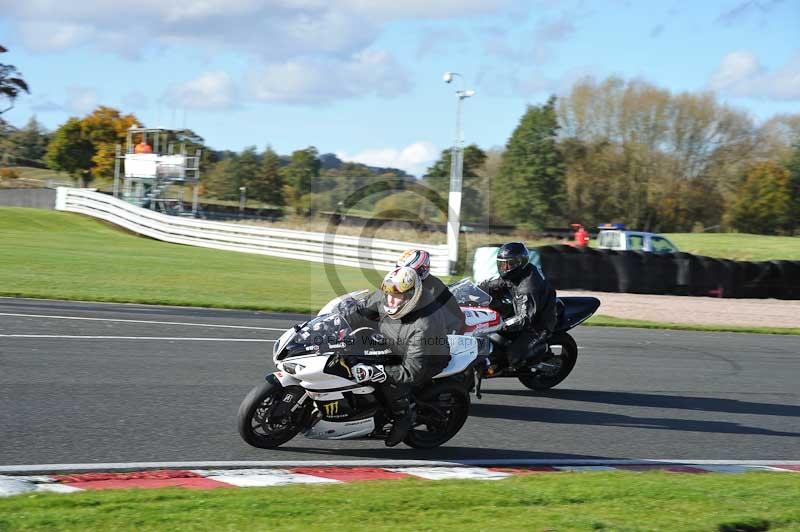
(363, 78)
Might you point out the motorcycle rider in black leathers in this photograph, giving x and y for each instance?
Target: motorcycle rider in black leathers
(532, 307)
(404, 313)
(420, 260)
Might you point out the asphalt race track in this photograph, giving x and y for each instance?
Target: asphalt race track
(99, 390)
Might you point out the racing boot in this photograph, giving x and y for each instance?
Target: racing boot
(537, 351)
(403, 421)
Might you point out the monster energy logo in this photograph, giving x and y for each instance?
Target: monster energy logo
(332, 408)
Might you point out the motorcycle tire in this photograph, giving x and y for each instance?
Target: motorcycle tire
(257, 404)
(568, 358)
(448, 398)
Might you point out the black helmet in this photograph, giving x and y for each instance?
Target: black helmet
(512, 257)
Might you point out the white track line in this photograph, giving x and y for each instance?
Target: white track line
(45, 468)
(77, 337)
(141, 321)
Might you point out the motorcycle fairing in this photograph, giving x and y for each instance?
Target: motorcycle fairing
(346, 430)
(463, 351)
(572, 311)
(481, 319)
(310, 373)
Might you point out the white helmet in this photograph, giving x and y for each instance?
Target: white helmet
(419, 259)
(402, 290)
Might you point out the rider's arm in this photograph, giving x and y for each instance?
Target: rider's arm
(361, 312)
(427, 352)
(491, 285)
(411, 370)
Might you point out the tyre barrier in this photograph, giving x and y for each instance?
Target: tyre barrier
(602, 270)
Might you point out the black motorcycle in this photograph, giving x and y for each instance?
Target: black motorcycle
(540, 372)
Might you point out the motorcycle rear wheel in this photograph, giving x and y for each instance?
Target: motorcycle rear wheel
(254, 416)
(442, 410)
(544, 379)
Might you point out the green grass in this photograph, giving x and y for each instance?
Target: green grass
(610, 321)
(60, 255)
(738, 246)
(559, 501)
(67, 256)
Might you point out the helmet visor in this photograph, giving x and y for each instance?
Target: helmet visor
(507, 265)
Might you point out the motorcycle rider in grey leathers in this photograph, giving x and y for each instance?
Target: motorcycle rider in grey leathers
(404, 313)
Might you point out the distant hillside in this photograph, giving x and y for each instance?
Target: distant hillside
(331, 162)
(328, 161)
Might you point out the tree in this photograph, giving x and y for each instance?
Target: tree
(670, 151)
(70, 151)
(105, 127)
(438, 178)
(300, 177)
(98, 132)
(217, 180)
(793, 166)
(29, 144)
(242, 173)
(530, 187)
(11, 83)
(267, 185)
(763, 204)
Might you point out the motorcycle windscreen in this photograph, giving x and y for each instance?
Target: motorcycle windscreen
(468, 293)
(572, 311)
(320, 335)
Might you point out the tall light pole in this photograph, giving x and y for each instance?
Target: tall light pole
(456, 174)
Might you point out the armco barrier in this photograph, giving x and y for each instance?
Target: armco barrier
(316, 247)
(674, 273)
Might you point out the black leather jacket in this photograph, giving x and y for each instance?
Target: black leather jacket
(533, 300)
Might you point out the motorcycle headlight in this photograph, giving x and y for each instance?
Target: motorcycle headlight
(292, 367)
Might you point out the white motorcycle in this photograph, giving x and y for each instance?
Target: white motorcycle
(313, 391)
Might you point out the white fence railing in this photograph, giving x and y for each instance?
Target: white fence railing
(341, 250)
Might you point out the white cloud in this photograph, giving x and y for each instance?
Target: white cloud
(211, 91)
(414, 158)
(50, 35)
(309, 80)
(734, 68)
(299, 51)
(81, 100)
(271, 29)
(741, 74)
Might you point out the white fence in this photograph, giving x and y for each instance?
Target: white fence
(316, 247)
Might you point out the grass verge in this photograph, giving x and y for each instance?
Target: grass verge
(610, 321)
(67, 256)
(560, 501)
(738, 246)
(59, 255)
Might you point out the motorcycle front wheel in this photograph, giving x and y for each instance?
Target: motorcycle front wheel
(257, 424)
(550, 372)
(442, 410)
